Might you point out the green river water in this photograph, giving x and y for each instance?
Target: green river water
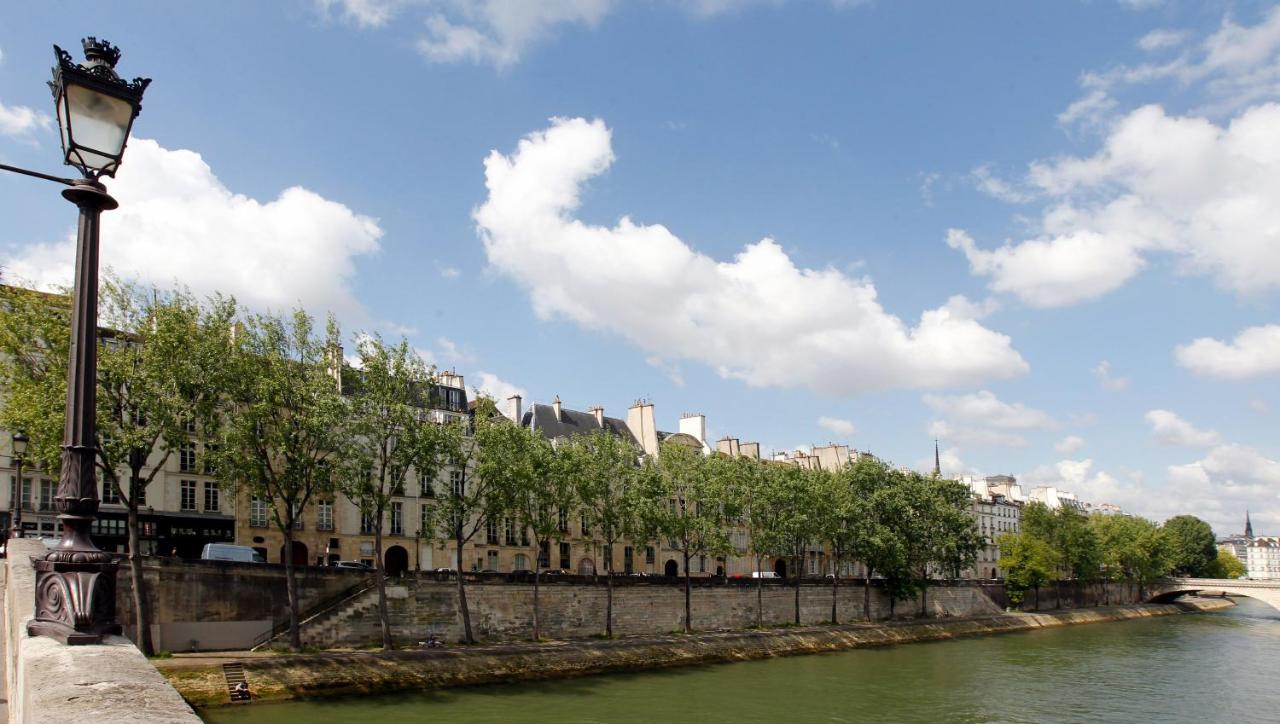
(1215, 667)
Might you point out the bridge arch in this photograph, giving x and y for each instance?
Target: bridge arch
(1170, 589)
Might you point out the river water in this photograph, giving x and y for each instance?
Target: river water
(1211, 667)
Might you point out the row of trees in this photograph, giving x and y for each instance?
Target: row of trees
(1066, 544)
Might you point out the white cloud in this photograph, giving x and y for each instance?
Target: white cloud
(996, 187)
(499, 31)
(1103, 372)
(451, 351)
(178, 223)
(1069, 445)
(1091, 110)
(670, 369)
(1259, 407)
(1170, 429)
(1254, 352)
(1205, 194)
(365, 13)
(985, 407)
(949, 461)
(757, 317)
(971, 435)
(837, 425)
(448, 272)
(497, 388)
(21, 121)
(1162, 38)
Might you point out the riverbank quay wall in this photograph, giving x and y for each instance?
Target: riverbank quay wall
(421, 607)
(348, 673)
(220, 605)
(50, 681)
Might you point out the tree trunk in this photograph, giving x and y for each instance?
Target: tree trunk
(924, 595)
(537, 631)
(608, 603)
(799, 571)
(835, 591)
(688, 597)
(866, 595)
(291, 585)
(380, 575)
(467, 636)
(141, 617)
(759, 592)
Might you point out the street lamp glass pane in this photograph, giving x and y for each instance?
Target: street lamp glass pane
(98, 122)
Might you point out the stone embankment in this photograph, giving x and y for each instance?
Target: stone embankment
(347, 673)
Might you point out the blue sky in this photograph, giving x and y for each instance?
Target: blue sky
(1044, 233)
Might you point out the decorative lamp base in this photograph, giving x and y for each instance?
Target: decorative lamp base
(75, 602)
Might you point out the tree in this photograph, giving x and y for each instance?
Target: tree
(605, 467)
(529, 479)
(873, 543)
(1028, 561)
(389, 437)
(1134, 549)
(470, 503)
(288, 425)
(844, 524)
(691, 509)
(1193, 550)
(750, 480)
(1225, 565)
(794, 493)
(161, 380)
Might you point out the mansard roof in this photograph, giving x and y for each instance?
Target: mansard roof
(542, 418)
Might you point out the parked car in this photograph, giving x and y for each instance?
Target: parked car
(357, 565)
(764, 574)
(228, 552)
(444, 574)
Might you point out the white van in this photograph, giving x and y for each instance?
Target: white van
(228, 552)
(764, 574)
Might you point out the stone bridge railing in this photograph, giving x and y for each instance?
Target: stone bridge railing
(1169, 588)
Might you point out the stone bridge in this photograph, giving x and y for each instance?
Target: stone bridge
(1167, 589)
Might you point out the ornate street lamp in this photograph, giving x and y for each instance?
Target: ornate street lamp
(20, 441)
(75, 581)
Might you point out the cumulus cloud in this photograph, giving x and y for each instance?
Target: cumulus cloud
(974, 436)
(1163, 38)
(1208, 195)
(1255, 352)
(22, 122)
(837, 425)
(497, 388)
(178, 223)
(1170, 429)
(756, 317)
(365, 13)
(985, 407)
(1109, 381)
(1069, 445)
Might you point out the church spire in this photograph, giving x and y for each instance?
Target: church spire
(937, 460)
(1248, 526)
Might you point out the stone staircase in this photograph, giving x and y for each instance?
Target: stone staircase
(322, 628)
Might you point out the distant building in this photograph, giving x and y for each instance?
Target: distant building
(1263, 559)
(996, 514)
(1238, 545)
(1054, 498)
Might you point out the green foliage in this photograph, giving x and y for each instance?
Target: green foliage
(1224, 565)
(1133, 549)
(1193, 550)
(1067, 530)
(1029, 562)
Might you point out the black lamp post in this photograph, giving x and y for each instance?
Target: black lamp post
(75, 581)
(20, 441)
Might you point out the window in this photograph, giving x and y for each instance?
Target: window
(511, 531)
(210, 452)
(211, 502)
(524, 537)
(455, 482)
(47, 489)
(491, 532)
(586, 527)
(491, 561)
(608, 557)
(366, 521)
(258, 513)
(397, 518)
(702, 564)
(324, 515)
(190, 426)
(141, 495)
(563, 524)
(297, 517)
(544, 555)
(565, 555)
(25, 498)
(428, 490)
(628, 560)
(110, 495)
(649, 555)
(424, 520)
(187, 458)
(188, 497)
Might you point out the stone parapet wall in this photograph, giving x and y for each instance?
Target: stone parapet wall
(49, 681)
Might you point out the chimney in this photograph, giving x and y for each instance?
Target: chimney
(334, 362)
(559, 411)
(692, 423)
(751, 450)
(640, 423)
(598, 411)
(513, 408)
(729, 446)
